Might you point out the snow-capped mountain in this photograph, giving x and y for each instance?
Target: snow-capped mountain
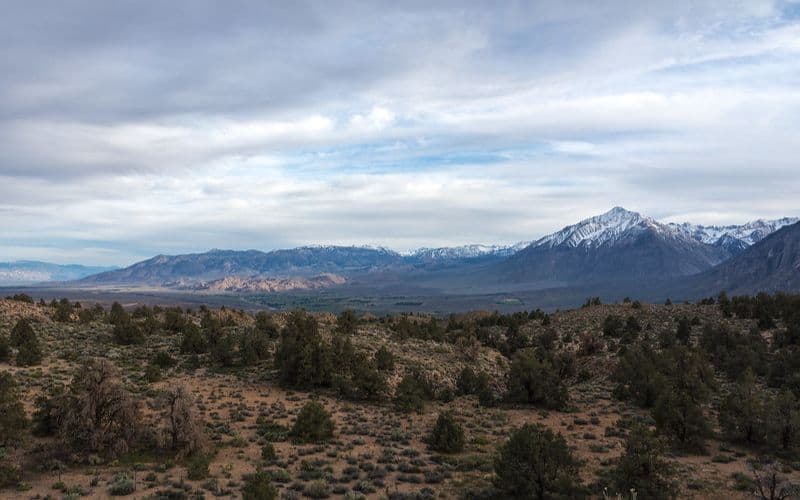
(466, 251)
(605, 229)
(618, 245)
(735, 237)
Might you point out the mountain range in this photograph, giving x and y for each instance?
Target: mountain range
(618, 248)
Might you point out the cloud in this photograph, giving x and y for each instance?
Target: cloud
(132, 128)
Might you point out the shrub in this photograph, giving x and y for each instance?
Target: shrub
(346, 322)
(302, 358)
(182, 428)
(29, 352)
(447, 435)
(637, 377)
(12, 414)
(783, 421)
(384, 359)
(99, 415)
(680, 418)
(121, 486)
(253, 346)
(163, 360)
(5, 348)
(467, 381)
(259, 486)
(266, 325)
(63, 312)
(535, 381)
(193, 341)
(741, 415)
(641, 467)
(313, 424)
(268, 452)
(10, 474)
(197, 466)
(412, 392)
(128, 333)
(613, 326)
(535, 463)
(220, 347)
(21, 333)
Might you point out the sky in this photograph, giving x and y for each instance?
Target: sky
(133, 128)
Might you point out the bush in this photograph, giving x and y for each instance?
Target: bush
(163, 360)
(12, 414)
(384, 359)
(641, 467)
(259, 486)
(535, 463)
(783, 421)
(266, 325)
(197, 466)
(535, 381)
(253, 346)
(5, 348)
(193, 341)
(182, 429)
(313, 424)
(99, 415)
(29, 352)
(346, 322)
(447, 435)
(220, 348)
(613, 326)
(741, 414)
(467, 381)
(412, 392)
(10, 474)
(302, 358)
(121, 486)
(128, 333)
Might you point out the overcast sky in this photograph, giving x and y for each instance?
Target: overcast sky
(132, 128)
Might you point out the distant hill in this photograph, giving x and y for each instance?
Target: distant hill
(771, 265)
(30, 272)
(217, 264)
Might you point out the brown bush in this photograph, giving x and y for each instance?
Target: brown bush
(182, 431)
(99, 416)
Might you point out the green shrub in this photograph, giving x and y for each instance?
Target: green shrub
(412, 392)
(253, 346)
(535, 381)
(163, 360)
(384, 359)
(302, 358)
(259, 486)
(122, 485)
(12, 414)
(29, 352)
(193, 341)
(642, 468)
(313, 424)
(197, 466)
(268, 452)
(535, 463)
(128, 333)
(447, 435)
(5, 348)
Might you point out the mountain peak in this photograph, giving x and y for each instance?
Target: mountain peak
(599, 229)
